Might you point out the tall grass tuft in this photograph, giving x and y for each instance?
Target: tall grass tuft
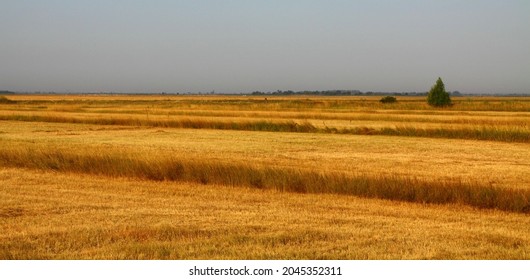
(491, 133)
(161, 168)
(483, 132)
(258, 125)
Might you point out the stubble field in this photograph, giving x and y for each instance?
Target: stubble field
(237, 177)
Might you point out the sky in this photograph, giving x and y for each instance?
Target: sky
(233, 46)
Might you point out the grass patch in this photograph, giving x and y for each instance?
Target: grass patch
(484, 132)
(490, 133)
(259, 125)
(166, 168)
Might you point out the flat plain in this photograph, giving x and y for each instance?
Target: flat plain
(263, 177)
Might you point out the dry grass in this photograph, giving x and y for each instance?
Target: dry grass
(496, 163)
(116, 163)
(519, 132)
(252, 103)
(510, 116)
(140, 175)
(48, 215)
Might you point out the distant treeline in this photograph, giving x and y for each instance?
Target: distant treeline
(377, 93)
(338, 93)
(287, 92)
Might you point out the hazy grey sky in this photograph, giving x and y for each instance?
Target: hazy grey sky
(247, 45)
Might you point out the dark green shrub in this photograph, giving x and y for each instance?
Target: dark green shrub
(388, 99)
(5, 100)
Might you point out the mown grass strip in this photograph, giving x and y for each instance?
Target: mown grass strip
(165, 167)
(490, 133)
(259, 125)
(268, 103)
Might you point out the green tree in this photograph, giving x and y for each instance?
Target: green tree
(438, 96)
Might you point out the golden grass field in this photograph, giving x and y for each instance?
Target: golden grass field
(249, 177)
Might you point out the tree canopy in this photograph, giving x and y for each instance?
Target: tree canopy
(437, 96)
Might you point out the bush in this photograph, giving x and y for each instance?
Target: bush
(388, 99)
(5, 100)
(437, 96)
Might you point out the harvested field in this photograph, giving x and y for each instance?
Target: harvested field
(260, 165)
